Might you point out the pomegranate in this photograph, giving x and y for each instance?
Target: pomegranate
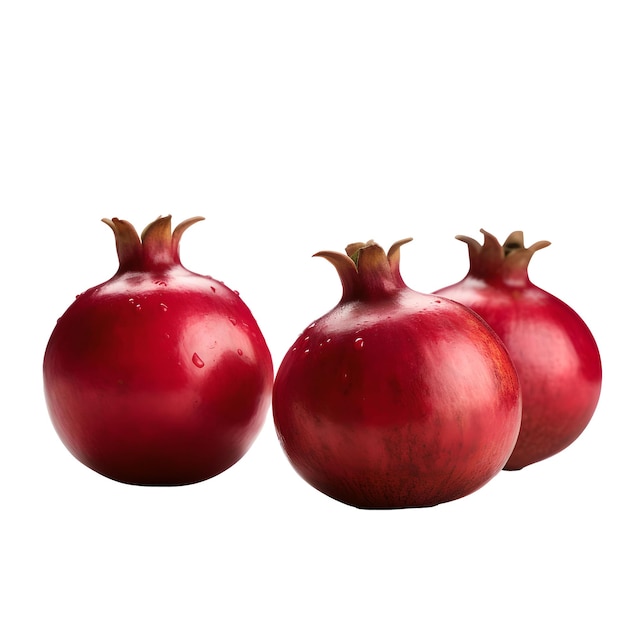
(395, 398)
(158, 376)
(555, 354)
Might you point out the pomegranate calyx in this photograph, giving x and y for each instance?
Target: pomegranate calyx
(508, 262)
(365, 270)
(127, 243)
(157, 247)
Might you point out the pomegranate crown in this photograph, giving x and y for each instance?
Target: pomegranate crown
(365, 270)
(508, 261)
(157, 247)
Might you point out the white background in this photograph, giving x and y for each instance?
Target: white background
(295, 127)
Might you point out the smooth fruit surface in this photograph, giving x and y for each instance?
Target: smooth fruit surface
(395, 398)
(158, 376)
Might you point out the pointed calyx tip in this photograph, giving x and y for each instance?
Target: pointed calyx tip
(158, 246)
(508, 261)
(365, 270)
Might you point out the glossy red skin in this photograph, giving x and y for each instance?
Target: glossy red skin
(556, 357)
(158, 378)
(410, 401)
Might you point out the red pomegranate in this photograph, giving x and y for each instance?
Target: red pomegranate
(395, 398)
(555, 354)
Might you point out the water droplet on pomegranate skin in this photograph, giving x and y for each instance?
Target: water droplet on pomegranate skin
(239, 351)
(233, 321)
(212, 289)
(235, 292)
(358, 343)
(163, 306)
(138, 307)
(196, 360)
(161, 283)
